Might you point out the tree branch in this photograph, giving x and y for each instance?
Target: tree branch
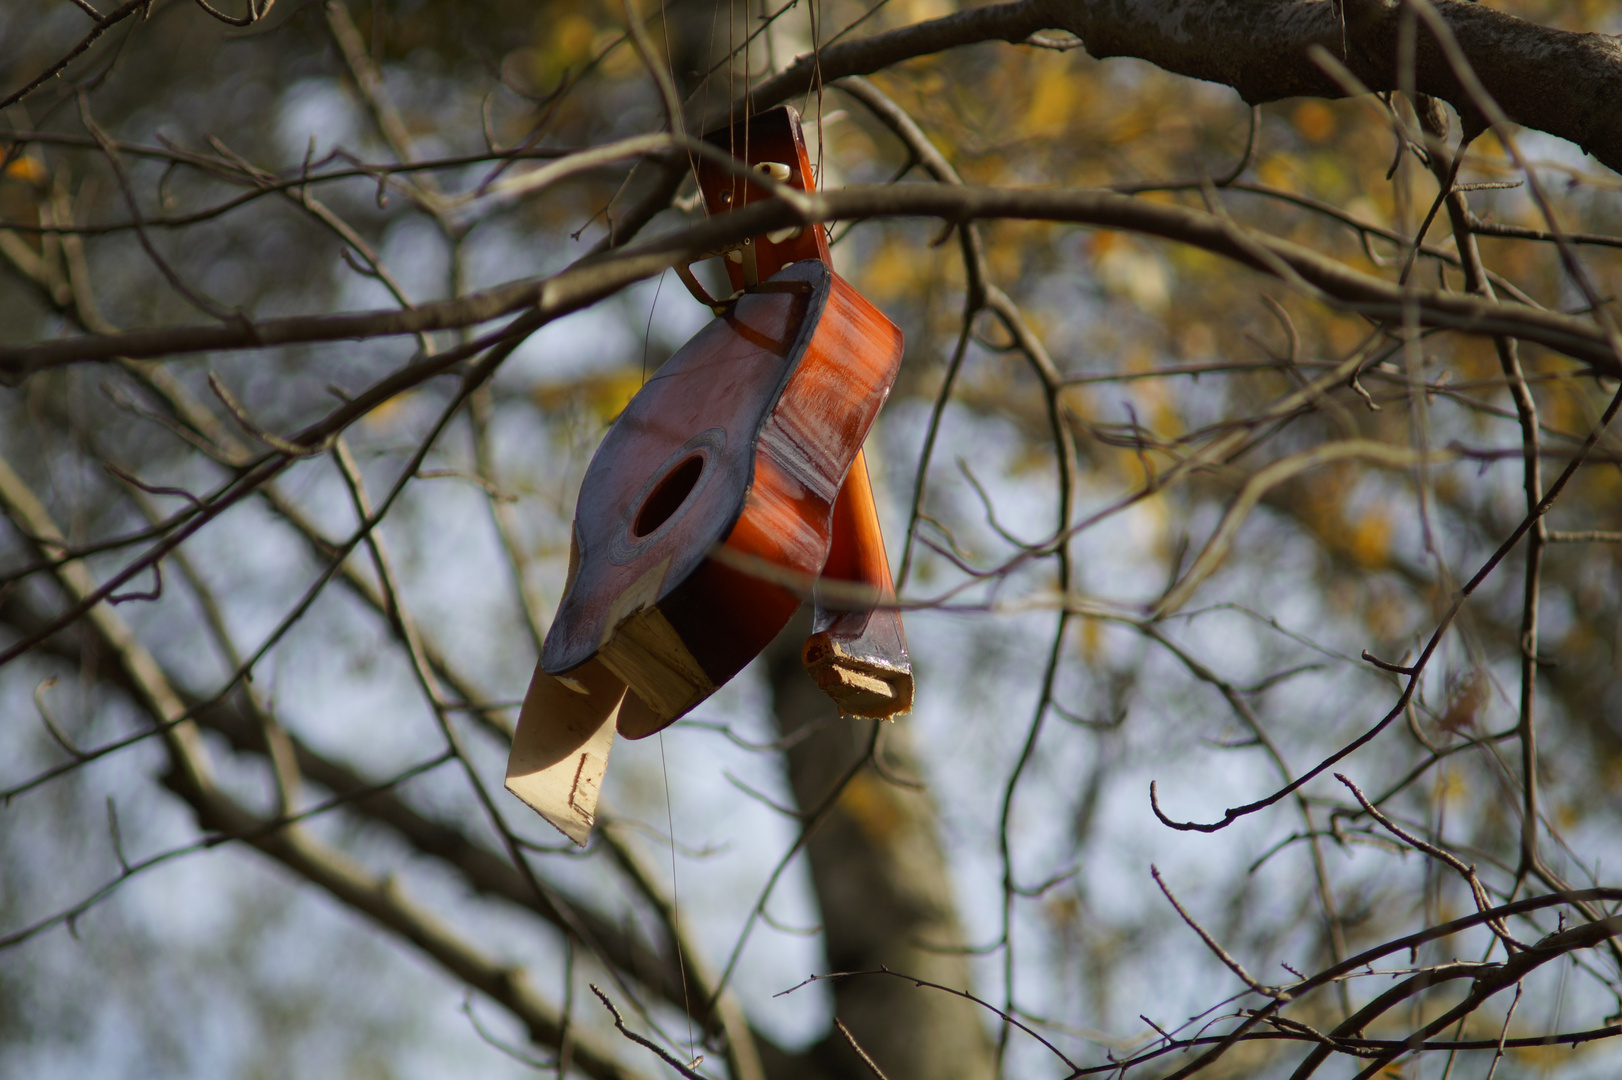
(1326, 279)
(374, 896)
(1552, 80)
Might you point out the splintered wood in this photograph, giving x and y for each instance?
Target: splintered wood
(859, 685)
(645, 651)
(560, 750)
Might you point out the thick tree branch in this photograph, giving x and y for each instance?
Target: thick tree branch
(1553, 80)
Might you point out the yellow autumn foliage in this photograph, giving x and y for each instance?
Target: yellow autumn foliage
(26, 168)
(1314, 119)
(1369, 541)
(871, 804)
(602, 395)
(1053, 98)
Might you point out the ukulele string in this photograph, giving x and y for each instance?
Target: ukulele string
(748, 78)
(677, 125)
(707, 84)
(743, 197)
(675, 906)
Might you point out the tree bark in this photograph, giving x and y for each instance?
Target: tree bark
(882, 885)
(1567, 84)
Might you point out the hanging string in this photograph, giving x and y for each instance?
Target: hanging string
(647, 333)
(816, 86)
(675, 909)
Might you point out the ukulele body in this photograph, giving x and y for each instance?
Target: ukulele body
(730, 489)
(708, 509)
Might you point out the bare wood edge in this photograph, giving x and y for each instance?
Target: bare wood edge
(560, 750)
(860, 686)
(852, 662)
(648, 654)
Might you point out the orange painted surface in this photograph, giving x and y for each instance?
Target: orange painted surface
(857, 551)
(856, 554)
(743, 439)
(773, 400)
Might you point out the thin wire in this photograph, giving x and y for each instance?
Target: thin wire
(675, 905)
(647, 332)
(816, 67)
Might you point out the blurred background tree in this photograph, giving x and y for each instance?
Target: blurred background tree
(1252, 434)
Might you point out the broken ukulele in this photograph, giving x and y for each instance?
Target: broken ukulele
(731, 483)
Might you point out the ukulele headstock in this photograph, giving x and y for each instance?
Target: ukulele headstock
(772, 145)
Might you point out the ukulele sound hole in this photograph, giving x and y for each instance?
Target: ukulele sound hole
(666, 498)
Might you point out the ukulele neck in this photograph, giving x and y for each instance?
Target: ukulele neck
(772, 147)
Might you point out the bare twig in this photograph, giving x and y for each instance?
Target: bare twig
(665, 1056)
(872, 1066)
